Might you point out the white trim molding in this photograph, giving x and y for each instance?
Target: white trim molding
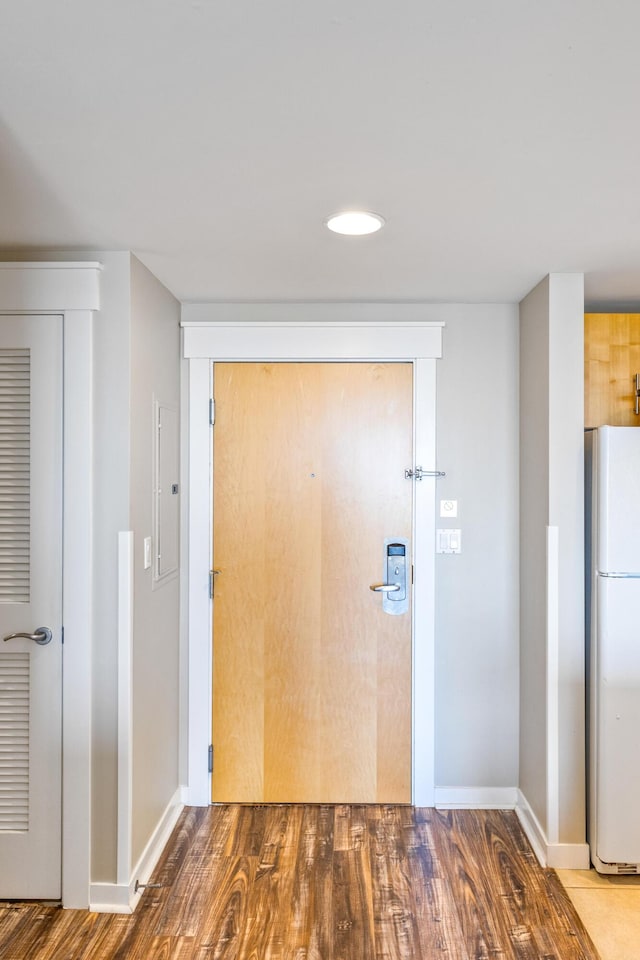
(122, 897)
(553, 680)
(77, 613)
(316, 341)
(49, 287)
(476, 798)
(199, 625)
(423, 627)
(125, 706)
(328, 333)
(561, 856)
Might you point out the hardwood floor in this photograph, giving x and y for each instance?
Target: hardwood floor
(325, 883)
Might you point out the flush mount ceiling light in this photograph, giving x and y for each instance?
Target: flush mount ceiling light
(355, 223)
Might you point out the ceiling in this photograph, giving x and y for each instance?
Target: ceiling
(499, 138)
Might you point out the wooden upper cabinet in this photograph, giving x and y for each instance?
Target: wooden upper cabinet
(611, 361)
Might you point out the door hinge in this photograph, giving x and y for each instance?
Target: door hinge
(212, 575)
(212, 411)
(210, 758)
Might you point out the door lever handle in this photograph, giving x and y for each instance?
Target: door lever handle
(42, 636)
(384, 587)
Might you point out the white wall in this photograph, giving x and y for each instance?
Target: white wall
(477, 592)
(136, 353)
(534, 517)
(155, 368)
(552, 745)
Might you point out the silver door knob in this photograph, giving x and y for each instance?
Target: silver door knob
(384, 587)
(42, 635)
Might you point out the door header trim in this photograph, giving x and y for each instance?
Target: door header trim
(49, 287)
(280, 340)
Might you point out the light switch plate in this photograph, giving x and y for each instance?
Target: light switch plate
(448, 540)
(448, 508)
(147, 552)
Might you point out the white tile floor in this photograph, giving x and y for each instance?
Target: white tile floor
(609, 907)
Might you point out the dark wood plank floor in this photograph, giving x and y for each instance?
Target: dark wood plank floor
(325, 883)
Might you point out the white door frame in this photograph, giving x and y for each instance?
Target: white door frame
(330, 332)
(70, 290)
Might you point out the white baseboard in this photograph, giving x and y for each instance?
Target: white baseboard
(562, 856)
(110, 898)
(196, 796)
(569, 856)
(531, 826)
(122, 897)
(476, 798)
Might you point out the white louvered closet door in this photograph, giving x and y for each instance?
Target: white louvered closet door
(30, 597)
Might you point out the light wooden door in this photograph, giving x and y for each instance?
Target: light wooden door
(311, 678)
(30, 598)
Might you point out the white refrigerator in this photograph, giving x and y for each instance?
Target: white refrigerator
(613, 639)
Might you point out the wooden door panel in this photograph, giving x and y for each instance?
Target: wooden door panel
(312, 681)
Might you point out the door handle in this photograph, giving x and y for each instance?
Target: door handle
(384, 587)
(42, 635)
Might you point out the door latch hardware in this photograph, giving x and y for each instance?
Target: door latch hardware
(210, 758)
(395, 597)
(419, 473)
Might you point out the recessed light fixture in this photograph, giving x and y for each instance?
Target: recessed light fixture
(355, 223)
